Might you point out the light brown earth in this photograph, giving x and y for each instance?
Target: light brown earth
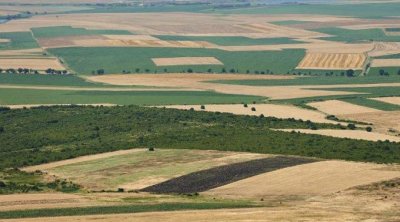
(385, 63)
(392, 100)
(196, 81)
(339, 61)
(350, 134)
(383, 122)
(274, 110)
(337, 107)
(385, 48)
(186, 61)
(31, 63)
(319, 178)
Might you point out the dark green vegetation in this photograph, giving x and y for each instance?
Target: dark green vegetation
(18, 40)
(368, 10)
(54, 212)
(315, 81)
(288, 22)
(45, 80)
(372, 103)
(41, 135)
(42, 96)
(16, 181)
(116, 60)
(352, 36)
(229, 40)
(392, 29)
(60, 31)
(204, 180)
(387, 71)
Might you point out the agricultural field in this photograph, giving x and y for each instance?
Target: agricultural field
(199, 110)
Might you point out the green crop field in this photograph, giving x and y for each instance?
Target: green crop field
(230, 40)
(116, 59)
(45, 80)
(288, 22)
(319, 80)
(347, 35)
(367, 10)
(18, 40)
(391, 71)
(36, 96)
(60, 31)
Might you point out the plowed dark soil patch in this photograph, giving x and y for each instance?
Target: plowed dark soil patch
(208, 179)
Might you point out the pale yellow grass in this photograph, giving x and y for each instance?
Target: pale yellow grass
(350, 134)
(139, 43)
(383, 122)
(37, 63)
(273, 110)
(392, 100)
(384, 48)
(196, 81)
(41, 200)
(186, 61)
(337, 107)
(331, 61)
(385, 63)
(80, 159)
(318, 178)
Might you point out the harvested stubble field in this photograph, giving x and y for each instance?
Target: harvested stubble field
(135, 169)
(186, 61)
(208, 179)
(319, 178)
(31, 63)
(332, 61)
(349, 134)
(337, 107)
(393, 100)
(273, 110)
(385, 63)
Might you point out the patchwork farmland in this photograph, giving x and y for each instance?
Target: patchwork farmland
(199, 110)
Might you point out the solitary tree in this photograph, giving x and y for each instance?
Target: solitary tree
(369, 129)
(100, 71)
(350, 73)
(382, 72)
(398, 72)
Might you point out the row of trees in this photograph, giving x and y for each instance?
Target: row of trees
(33, 71)
(383, 72)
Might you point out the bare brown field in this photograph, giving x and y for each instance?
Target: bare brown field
(385, 63)
(337, 107)
(339, 61)
(311, 179)
(24, 52)
(186, 61)
(383, 122)
(350, 134)
(391, 100)
(31, 63)
(273, 110)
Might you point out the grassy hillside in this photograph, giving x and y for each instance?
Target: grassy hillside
(41, 135)
(115, 60)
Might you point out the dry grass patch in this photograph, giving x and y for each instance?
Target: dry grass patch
(330, 61)
(391, 100)
(337, 107)
(31, 63)
(137, 169)
(273, 110)
(350, 134)
(317, 178)
(384, 48)
(385, 63)
(186, 61)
